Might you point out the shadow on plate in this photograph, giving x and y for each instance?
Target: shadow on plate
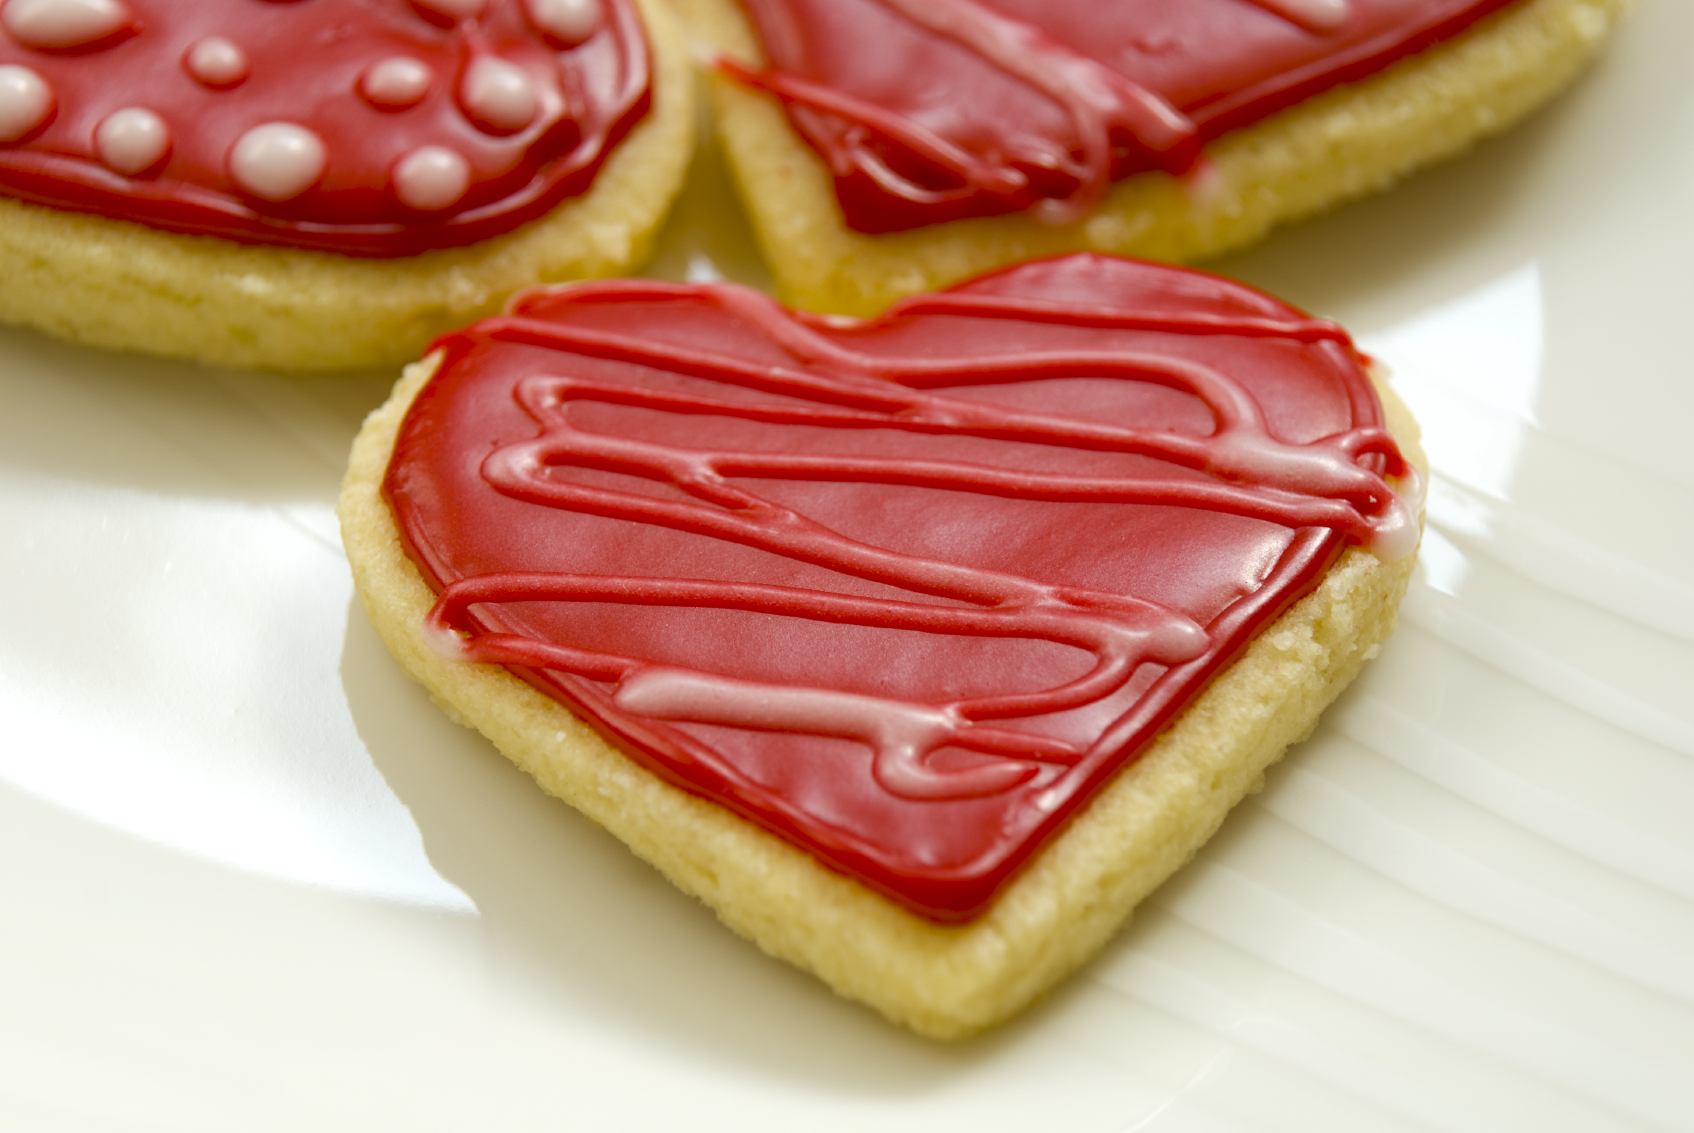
(577, 919)
(174, 428)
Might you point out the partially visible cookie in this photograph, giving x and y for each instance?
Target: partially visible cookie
(324, 184)
(922, 648)
(888, 147)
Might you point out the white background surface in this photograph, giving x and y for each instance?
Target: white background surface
(251, 880)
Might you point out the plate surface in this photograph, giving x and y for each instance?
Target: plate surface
(252, 880)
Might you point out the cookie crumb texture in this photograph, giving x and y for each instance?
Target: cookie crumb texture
(942, 980)
(1345, 143)
(125, 285)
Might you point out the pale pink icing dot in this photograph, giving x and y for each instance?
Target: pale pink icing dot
(277, 161)
(216, 62)
(568, 21)
(431, 178)
(26, 101)
(396, 82)
(497, 95)
(452, 9)
(57, 24)
(132, 140)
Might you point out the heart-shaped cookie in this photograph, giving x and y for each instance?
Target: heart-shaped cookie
(898, 115)
(907, 594)
(932, 110)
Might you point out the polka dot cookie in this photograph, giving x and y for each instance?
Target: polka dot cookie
(318, 184)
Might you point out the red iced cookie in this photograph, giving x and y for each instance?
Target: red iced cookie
(377, 129)
(873, 139)
(930, 110)
(906, 593)
(325, 184)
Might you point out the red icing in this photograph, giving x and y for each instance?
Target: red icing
(305, 60)
(932, 110)
(906, 592)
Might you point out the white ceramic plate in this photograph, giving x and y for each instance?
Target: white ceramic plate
(250, 879)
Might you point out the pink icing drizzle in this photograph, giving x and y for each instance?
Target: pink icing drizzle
(932, 110)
